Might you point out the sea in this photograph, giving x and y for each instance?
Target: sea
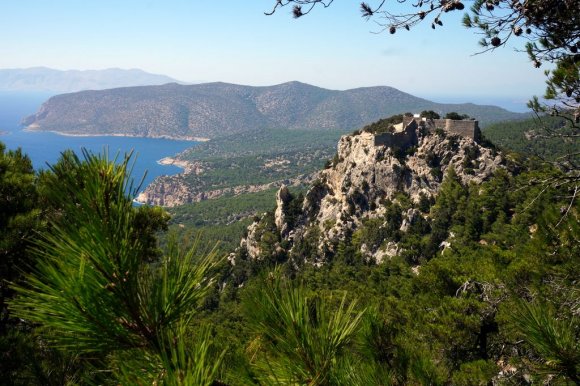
(45, 148)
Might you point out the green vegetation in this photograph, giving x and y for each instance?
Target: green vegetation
(93, 287)
(221, 221)
(385, 125)
(261, 157)
(430, 114)
(260, 142)
(223, 210)
(233, 110)
(301, 339)
(533, 137)
(455, 314)
(19, 219)
(456, 116)
(99, 301)
(256, 170)
(256, 158)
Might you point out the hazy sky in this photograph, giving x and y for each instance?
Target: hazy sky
(232, 41)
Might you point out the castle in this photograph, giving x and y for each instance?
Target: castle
(405, 133)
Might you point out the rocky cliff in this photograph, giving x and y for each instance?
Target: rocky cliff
(176, 190)
(366, 183)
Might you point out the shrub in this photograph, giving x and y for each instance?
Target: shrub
(456, 116)
(430, 114)
(437, 173)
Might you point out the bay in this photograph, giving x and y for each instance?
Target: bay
(45, 148)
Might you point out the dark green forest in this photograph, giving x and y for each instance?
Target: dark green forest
(535, 137)
(98, 291)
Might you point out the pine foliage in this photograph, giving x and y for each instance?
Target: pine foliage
(555, 340)
(300, 338)
(92, 291)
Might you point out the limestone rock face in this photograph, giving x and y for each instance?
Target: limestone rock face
(282, 199)
(251, 242)
(367, 175)
(364, 177)
(170, 191)
(168, 195)
(410, 217)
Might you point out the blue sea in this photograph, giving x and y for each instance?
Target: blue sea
(45, 148)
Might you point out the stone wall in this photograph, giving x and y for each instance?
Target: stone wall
(403, 139)
(408, 137)
(465, 128)
(407, 119)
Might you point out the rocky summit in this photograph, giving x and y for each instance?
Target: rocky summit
(362, 183)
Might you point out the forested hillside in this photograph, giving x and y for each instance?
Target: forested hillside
(543, 136)
(250, 162)
(215, 110)
(481, 288)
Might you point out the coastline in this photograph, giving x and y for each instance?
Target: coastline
(35, 128)
(166, 161)
(186, 167)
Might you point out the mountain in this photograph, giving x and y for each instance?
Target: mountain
(48, 80)
(213, 110)
(366, 182)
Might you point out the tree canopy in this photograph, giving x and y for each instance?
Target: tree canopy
(100, 306)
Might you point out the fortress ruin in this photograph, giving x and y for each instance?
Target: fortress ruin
(405, 133)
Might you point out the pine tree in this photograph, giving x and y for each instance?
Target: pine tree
(94, 293)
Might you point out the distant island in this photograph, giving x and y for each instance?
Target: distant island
(42, 79)
(214, 110)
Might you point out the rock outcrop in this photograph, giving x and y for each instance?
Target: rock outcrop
(283, 198)
(364, 179)
(171, 191)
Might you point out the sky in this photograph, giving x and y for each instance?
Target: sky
(233, 41)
